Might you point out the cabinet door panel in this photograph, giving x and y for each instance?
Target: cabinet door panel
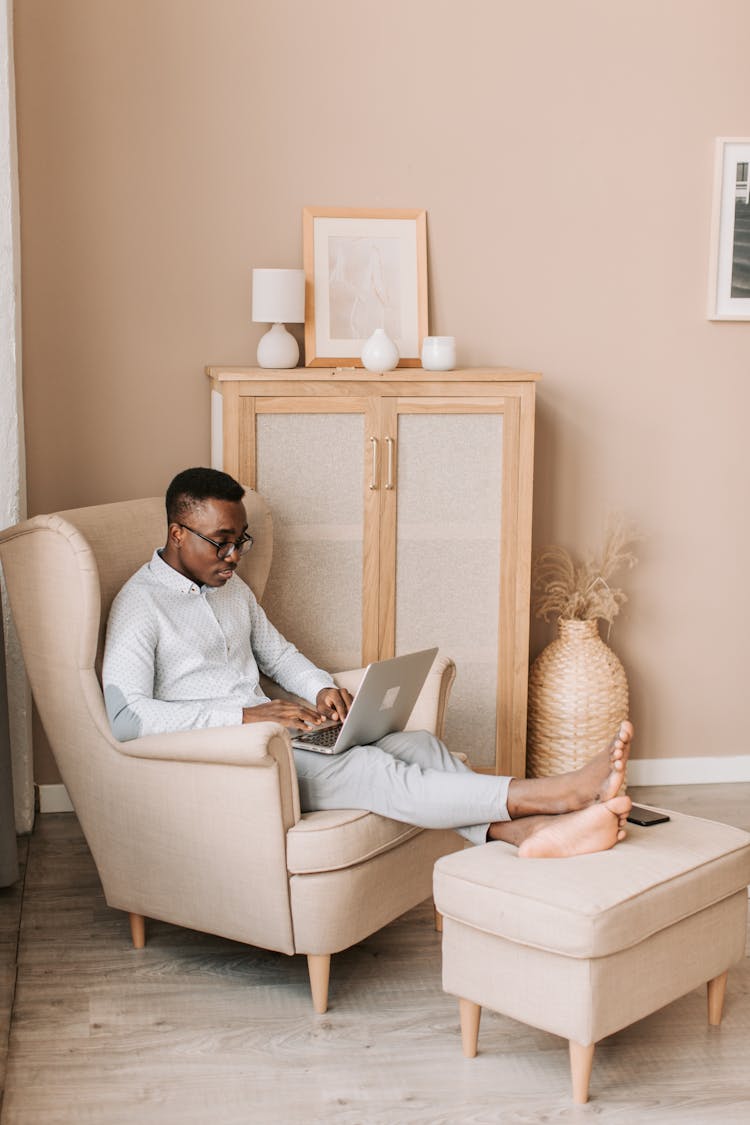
(310, 469)
(448, 550)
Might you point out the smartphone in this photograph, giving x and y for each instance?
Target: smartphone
(646, 817)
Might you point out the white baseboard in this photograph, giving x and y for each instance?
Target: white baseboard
(688, 771)
(54, 798)
(641, 771)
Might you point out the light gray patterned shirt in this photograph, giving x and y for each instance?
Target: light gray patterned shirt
(179, 656)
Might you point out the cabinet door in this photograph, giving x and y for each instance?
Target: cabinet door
(314, 462)
(447, 543)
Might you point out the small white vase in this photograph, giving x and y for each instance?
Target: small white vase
(379, 353)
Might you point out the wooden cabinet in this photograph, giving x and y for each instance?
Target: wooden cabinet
(402, 519)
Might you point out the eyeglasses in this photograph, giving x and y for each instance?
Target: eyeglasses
(224, 550)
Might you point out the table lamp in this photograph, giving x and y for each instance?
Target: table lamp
(278, 299)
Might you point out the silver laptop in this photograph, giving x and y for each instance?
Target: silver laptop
(383, 703)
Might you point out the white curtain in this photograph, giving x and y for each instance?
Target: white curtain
(8, 859)
(15, 738)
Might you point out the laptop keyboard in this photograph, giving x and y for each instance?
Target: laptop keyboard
(325, 737)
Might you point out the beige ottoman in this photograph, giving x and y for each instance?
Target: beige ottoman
(583, 947)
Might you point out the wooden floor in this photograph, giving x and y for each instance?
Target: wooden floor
(195, 1029)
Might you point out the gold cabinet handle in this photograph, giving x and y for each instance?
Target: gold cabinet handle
(374, 472)
(390, 446)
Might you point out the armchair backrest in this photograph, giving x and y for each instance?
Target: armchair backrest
(63, 571)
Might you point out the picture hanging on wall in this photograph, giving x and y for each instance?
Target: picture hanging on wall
(729, 275)
(364, 269)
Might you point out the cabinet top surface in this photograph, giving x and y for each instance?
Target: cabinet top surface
(359, 374)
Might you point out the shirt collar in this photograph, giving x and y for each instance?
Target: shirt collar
(168, 576)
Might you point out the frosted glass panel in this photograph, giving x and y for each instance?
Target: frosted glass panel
(310, 470)
(448, 561)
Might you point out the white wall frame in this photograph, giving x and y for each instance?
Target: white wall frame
(729, 266)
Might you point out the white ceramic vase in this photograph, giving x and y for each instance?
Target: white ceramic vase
(379, 353)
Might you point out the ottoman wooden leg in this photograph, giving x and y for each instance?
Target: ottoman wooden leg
(438, 920)
(470, 1016)
(716, 991)
(581, 1061)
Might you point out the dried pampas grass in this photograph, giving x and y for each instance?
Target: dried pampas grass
(562, 590)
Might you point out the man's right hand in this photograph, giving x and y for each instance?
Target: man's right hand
(298, 716)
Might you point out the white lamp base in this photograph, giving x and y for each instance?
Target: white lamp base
(278, 348)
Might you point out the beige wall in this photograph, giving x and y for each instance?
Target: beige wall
(563, 151)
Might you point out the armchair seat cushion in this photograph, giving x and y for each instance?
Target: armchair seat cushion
(340, 838)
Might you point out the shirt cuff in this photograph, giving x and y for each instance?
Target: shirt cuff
(226, 717)
(318, 681)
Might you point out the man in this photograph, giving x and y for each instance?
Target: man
(186, 642)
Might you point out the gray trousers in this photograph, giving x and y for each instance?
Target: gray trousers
(409, 776)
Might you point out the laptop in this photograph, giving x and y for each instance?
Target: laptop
(383, 703)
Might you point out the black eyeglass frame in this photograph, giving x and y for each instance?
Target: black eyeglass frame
(224, 550)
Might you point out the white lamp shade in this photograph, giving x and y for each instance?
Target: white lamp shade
(279, 296)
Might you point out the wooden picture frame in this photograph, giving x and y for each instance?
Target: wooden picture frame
(364, 269)
(729, 269)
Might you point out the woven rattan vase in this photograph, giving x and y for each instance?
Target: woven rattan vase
(578, 696)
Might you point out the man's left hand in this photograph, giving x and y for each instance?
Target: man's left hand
(334, 703)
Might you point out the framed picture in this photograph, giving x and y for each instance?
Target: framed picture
(364, 269)
(729, 274)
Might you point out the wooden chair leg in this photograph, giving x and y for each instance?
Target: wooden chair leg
(138, 930)
(438, 920)
(470, 1014)
(581, 1062)
(716, 991)
(319, 968)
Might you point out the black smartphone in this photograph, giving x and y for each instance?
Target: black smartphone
(646, 817)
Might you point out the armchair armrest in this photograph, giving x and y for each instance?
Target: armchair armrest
(258, 745)
(246, 745)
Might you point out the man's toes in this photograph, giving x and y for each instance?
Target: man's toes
(623, 736)
(621, 834)
(620, 805)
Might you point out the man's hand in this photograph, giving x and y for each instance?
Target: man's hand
(299, 716)
(334, 703)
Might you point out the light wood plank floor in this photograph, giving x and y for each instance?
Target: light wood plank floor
(196, 1029)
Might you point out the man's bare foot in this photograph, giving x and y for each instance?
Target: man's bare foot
(594, 829)
(596, 782)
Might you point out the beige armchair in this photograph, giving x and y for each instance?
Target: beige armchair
(203, 828)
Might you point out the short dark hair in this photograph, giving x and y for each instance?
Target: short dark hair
(192, 486)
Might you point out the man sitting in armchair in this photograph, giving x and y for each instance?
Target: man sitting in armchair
(187, 641)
